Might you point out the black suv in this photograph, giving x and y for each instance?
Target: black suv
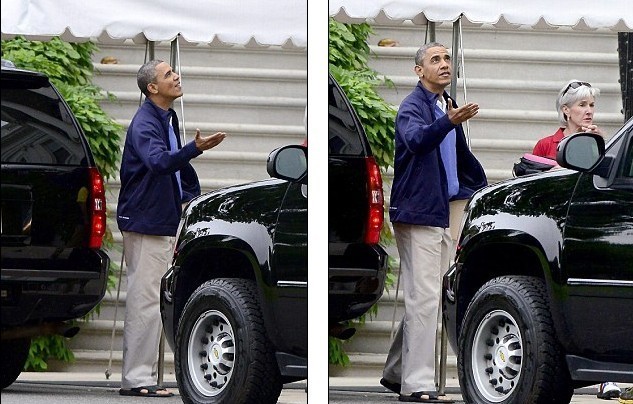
(53, 218)
(357, 262)
(539, 299)
(234, 303)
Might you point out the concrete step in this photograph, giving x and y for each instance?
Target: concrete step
(372, 337)
(371, 366)
(234, 56)
(241, 136)
(109, 304)
(97, 335)
(264, 110)
(486, 36)
(510, 64)
(528, 125)
(91, 361)
(514, 130)
(386, 305)
(245, 102)
(540, 95)
(212, 80)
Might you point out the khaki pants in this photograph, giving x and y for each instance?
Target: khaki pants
(424, 256)
(147, 259)
(456, 215)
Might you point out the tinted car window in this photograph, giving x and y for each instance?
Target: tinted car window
(626, 170)
(344, 135)
(36, 128)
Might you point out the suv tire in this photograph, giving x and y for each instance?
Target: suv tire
(223, 354)
(508, 352)
(15, 352)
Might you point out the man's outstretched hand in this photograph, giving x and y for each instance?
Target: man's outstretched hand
(208, 142)
(461, 114)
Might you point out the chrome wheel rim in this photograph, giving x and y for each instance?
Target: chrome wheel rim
(497, 356)
(211, 353)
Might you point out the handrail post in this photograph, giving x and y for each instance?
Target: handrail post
(161, 357)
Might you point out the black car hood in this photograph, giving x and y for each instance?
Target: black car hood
(242, 212)
(531, 195)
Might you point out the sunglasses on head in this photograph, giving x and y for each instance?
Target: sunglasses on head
(575, 84)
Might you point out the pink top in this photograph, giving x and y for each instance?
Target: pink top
(539, 159)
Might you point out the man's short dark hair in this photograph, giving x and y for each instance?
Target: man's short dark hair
(419, 55)
(147, 74)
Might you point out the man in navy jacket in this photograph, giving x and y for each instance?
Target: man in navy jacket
(157, 178)
(433, 166)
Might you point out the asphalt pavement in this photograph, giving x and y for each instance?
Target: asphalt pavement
(68, 387)
(368, 390)
(340, 389)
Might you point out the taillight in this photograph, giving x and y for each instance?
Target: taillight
(97, 209)
(376, 215)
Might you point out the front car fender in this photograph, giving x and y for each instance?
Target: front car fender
(513, 227)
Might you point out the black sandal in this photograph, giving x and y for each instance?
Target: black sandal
(146, 391)
(393, 386)
(425, 397)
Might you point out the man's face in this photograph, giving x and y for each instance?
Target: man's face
(435, 70)
(167, 83)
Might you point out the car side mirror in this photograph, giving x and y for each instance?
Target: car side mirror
(580, 151)
(289, 163)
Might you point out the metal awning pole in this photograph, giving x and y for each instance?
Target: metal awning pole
(108, 371)
(149, 55)
(440, 363)
(174, 60)
(456, 51)
(151, 51)
(455, 58)
(161, 357)
(175, 64)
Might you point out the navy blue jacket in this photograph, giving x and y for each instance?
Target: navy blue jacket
(419, 193)
(149, 199)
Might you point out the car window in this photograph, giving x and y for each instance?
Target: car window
(37, 128)
(621, 151)
(344, 137)
(626, 169)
